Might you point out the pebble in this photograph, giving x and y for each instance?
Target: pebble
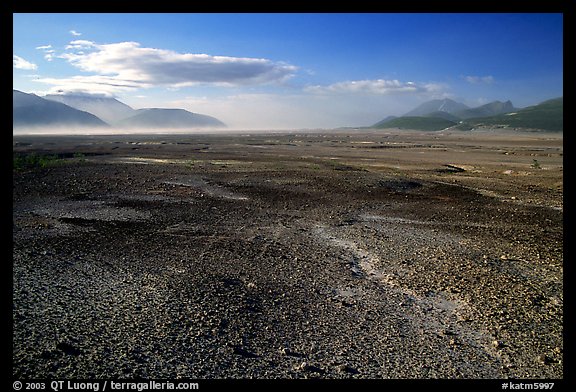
(347, 369)
(545, 359)
(305, 366)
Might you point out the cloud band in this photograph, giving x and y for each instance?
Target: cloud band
(375, 86)
(128, 65)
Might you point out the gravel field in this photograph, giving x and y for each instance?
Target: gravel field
(289, 255)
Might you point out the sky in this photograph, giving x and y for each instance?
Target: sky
(291, 71)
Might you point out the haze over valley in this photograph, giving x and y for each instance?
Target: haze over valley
(82, 113)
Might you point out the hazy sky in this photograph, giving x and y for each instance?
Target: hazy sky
(292, 70)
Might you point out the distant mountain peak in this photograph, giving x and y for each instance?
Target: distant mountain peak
(493, 108)
(545, 116)
(117, 113)
(30, 110)
(437, 105)
(107, 108)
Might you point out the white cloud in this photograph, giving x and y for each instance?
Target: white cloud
(376, 86)
(49, 53)
(80, 44)
(95, 84)
(129, 65)
(479, 79)
(75, 33)
(19, 63)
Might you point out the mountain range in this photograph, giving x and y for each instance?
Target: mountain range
(108, 109)
(437, 105)
(547, 116)
(30, 110)
(86, 111)
(441, 114)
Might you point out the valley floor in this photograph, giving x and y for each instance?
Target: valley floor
(289, 255)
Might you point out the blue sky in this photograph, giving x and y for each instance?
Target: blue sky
(292, 70)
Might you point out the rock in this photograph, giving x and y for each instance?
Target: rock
(286, 351)
(305, 366)
(347, 369)
(545, 359)
(68, 348)
(497, 344)
(243, 352)
(558, 350)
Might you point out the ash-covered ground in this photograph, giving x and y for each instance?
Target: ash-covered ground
(296, 255)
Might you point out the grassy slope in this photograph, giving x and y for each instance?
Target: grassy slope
(418, 123)
(546, 116)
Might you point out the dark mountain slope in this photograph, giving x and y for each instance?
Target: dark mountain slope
(31, 110)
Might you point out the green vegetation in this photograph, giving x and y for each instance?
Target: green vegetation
(33, 160)
(80, 157)
(419, 123)
(548, 116)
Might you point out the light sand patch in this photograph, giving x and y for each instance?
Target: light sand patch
(205, 188)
